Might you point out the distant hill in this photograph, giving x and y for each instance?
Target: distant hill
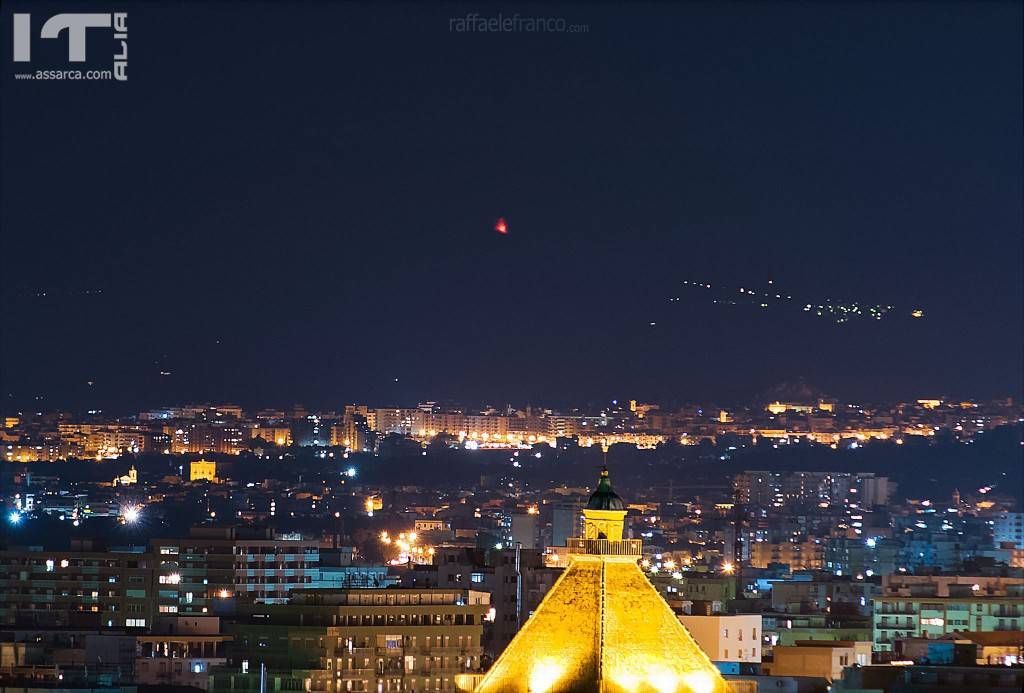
(797, 390)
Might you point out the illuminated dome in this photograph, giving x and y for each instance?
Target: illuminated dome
(604, 498)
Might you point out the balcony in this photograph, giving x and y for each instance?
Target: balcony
(356, 674)
(354, 652)
(605, 547)
(450, 651)
(898, 610)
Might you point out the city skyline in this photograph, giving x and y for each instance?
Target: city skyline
(550, 348)
(797, 392)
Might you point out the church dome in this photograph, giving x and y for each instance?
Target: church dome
(604, 498)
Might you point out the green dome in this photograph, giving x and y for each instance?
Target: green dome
(604, 498)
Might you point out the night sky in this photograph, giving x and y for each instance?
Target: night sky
(296, 203)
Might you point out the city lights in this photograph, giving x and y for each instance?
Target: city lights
(288, 408)
(409, 551)
(130, 514)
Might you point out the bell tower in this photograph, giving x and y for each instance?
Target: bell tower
(605, 514)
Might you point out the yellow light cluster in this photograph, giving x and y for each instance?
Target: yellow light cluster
(372, 504)
(642, 441)
(515, 438)
(409, 550)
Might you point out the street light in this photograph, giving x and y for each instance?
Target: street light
(131, 514)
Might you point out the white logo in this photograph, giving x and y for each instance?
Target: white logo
(76, 24)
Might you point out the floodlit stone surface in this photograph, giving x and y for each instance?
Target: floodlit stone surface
(557, 644)
(603, 627)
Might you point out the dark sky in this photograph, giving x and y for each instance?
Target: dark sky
(294, 203)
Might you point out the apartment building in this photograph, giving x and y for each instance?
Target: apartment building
(220, 563)
(363, 640)
(84, 587)
(804, 555)
(727, 638)
(179, 651)
(818, 659)
(924, 606)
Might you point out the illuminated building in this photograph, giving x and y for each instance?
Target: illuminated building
(199, 437)
(368, 640)
(783, 407)
(1005, 648)
(931, 606)
(32, 452)
(773, 489)
(105, 441)
(642, 409)
(490, 425)
(516, 580)
(425, 423)
(1008, 538)
(216, 563)
(354, 433)
(727, 638)
(129, 479)
(202, 470)
(1008, 528)
(818, 659)
(847, 596)
(182, 653)
(708, 594)
(406, 548)
(642, 441)
(561, 426)
(210, 412)
(806, 555)
(86, 587)
(874, 555)
(277, 435)
(311, 430)
(602, 626)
